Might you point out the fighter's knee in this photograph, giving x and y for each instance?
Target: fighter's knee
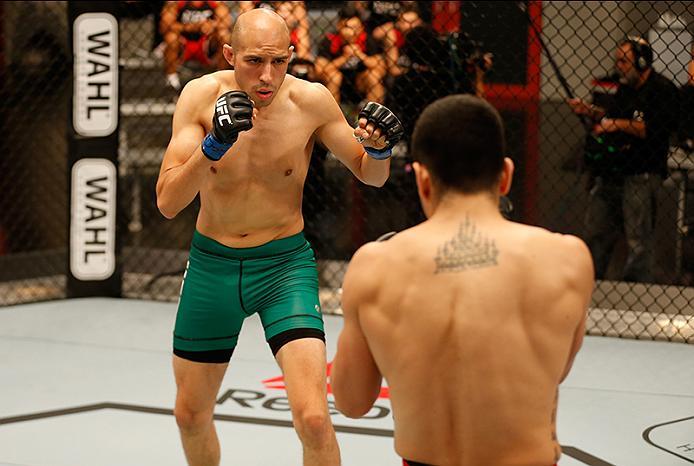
(190, 420)
(312, 426)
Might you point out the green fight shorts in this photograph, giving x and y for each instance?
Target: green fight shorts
(222, 286)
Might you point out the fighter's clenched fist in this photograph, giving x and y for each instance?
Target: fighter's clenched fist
(233, 113)
(378, 129)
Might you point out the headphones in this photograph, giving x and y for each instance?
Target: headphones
(643, 54)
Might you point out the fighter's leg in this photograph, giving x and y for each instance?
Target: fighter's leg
(197, 386)
(293, 325)
(208, 322)
(303, 364)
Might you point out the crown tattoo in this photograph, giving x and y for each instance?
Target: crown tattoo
(468, 249)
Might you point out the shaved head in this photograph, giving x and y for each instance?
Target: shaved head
(258, 26)
(259, 54)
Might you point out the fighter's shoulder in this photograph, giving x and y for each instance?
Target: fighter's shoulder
(308, 94)
(368, 254)
(203, 90)
(373, 255)
(539, 237)
(560, 249)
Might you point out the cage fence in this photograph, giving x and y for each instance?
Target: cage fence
(628, 196)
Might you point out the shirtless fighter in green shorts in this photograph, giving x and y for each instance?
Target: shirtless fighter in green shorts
(242, 140)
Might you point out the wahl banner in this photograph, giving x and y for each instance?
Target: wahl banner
(93, 265)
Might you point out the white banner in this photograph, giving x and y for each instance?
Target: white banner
(93, 219)
(95, 93)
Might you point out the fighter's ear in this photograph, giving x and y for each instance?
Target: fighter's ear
(425, 188)
(228, 53)
(422, 178)
(506, 176)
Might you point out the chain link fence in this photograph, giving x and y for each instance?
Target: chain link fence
(34, 97)
(577, 172)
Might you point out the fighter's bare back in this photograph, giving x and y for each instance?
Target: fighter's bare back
(452, 344)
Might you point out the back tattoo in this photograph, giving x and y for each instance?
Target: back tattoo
(468, 249)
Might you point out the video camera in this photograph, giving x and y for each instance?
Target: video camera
(607, 154)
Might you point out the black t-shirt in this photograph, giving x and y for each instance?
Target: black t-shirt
(656, 103)
(427, 59)
(190, 14)
(381, 13)
(332, 45)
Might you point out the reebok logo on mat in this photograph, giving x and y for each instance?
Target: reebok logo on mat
(277, 383)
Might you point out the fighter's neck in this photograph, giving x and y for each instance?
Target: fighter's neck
(454, 205)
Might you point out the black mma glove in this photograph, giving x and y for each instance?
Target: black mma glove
(233, 113)
(381, 117)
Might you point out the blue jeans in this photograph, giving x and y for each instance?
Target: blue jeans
(623, 207)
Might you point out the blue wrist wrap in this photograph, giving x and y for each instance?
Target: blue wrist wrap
(378, 154)
(213, 149)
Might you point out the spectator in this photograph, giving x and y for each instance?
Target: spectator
(627, 159)
(351, 60)
(194, 30)
(295, 15)
(379, 18)
(408, 19)
(425, 76)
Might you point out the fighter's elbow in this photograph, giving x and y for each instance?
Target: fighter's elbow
(352, 409)
(166, 209)
(168, 216)
(353, 402)
(376, 182)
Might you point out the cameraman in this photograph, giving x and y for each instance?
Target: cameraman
(624, 185)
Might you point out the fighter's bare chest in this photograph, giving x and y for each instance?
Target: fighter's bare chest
(286, 130)
(269, 153)
(284, 136)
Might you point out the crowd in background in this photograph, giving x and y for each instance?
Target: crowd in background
(370, 51)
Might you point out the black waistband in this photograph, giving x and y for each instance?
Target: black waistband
(413, 463)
